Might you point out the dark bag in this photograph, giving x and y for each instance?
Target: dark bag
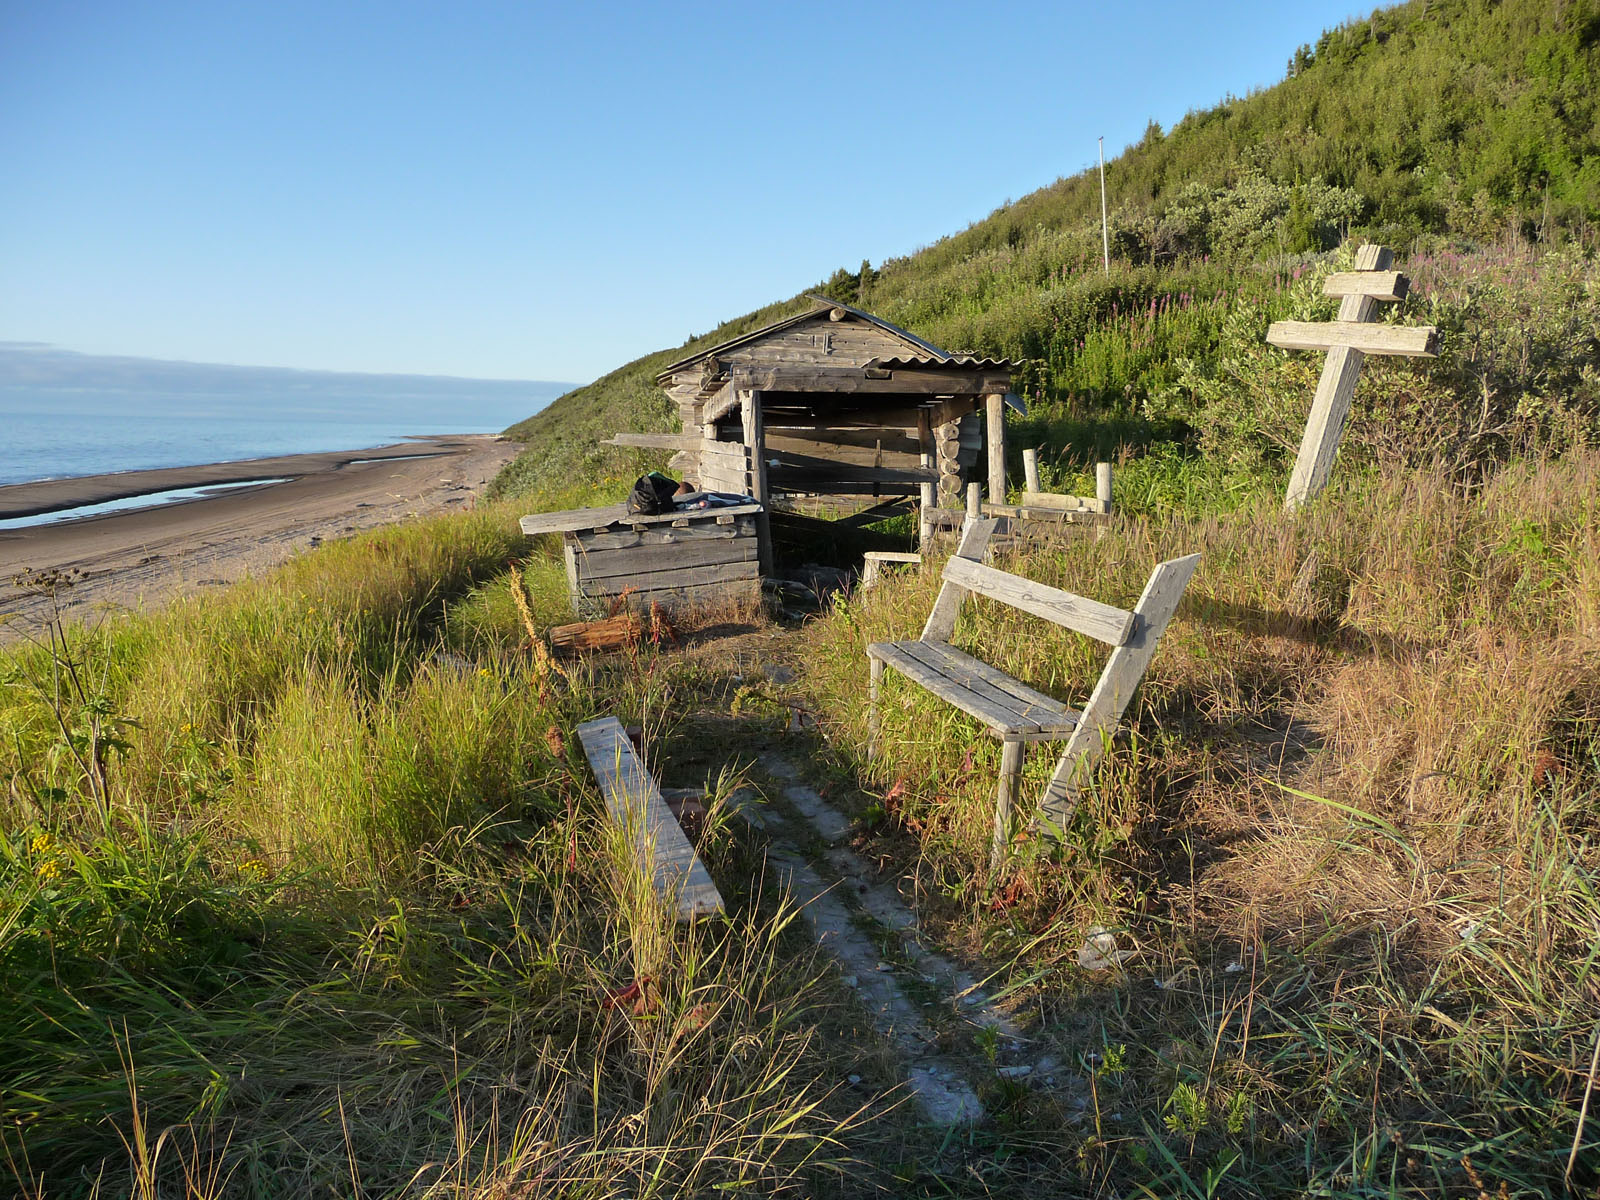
(652, 494)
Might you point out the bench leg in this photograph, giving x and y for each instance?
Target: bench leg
(1005, 797)
(873, 685)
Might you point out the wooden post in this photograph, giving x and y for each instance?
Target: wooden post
(974, 501)
(874, 684)
(997, 447)
(1361, 290)
(755, 442)
(1102, 485)
(1004, 801)
(1030, 470)
(928, 493)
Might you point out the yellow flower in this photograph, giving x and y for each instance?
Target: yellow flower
(49, 869)
(42, 844)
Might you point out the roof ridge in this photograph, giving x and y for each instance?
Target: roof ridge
(820, 304)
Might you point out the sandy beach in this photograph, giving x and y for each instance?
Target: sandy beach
(143, 556)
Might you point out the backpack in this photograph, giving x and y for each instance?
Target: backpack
(652, 494)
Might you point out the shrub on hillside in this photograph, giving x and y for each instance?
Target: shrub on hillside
(1518, 368)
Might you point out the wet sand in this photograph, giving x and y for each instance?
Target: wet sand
(143, 556)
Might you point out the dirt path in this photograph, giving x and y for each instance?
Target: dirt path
(144, 556)
(928, 1016)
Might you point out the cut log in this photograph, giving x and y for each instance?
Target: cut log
(613, 633)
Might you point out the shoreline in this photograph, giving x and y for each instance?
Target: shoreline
(143, 556)
(41, 497)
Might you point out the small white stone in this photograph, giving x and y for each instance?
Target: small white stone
(854, 1079)
(1018, 1072)
(850, 981)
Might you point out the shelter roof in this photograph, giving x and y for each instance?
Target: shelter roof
(967, 362)
(821, 304)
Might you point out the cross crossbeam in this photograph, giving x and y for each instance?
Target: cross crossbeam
(1347, 343)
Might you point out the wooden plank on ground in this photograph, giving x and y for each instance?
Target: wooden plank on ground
(1113, 626)
(635, 803)
(1405, 341)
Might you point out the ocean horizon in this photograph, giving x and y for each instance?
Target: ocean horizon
(64, 414)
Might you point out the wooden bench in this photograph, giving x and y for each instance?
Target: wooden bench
(637, 806)
(1015, 713)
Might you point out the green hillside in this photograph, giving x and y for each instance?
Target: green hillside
(1432, 126)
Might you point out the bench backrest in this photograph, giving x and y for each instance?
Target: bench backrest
(966, 573)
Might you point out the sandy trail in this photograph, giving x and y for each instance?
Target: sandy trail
(144, 556)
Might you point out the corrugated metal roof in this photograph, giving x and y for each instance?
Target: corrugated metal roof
(822, 305)
(966, 362)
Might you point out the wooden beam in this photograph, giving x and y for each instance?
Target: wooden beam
(654, 441)
(1064, 501)
(941, 622)
(1379, 285)
(1330, 407)
(1102, 486)
(996, 405)
(1030, 471)
(828, 468)
(1398, 341)
(928, 493)
(1112, 693)
(755, 442)
(1103, 622)
(618, 514)
(635, 803)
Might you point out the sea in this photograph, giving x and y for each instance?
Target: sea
(65, 414)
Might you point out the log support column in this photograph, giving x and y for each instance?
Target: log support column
(996, 407)
(755, 444)
(928, 493)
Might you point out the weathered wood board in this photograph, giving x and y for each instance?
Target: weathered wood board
(635, 803)
(688, 556)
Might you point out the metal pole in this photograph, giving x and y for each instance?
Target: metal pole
(1105, 228)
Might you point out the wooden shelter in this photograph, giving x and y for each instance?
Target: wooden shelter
(835, 402)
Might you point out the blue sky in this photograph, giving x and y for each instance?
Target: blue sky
(540, 190)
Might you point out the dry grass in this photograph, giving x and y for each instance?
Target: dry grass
(1363, 769)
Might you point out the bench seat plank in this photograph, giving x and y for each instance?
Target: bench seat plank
(964, 666)
(963, 681)
(636, 804)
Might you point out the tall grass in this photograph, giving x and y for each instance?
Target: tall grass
(1351, 838)
(338, 926)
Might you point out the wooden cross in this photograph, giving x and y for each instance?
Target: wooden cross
(1348, 341)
